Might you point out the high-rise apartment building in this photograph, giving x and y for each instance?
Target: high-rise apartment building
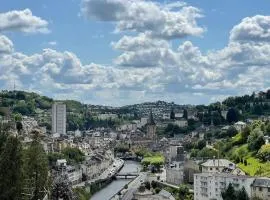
(59, 118)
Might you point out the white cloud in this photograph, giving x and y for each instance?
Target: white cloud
(252, 29)
(148, 69)
(6, 45)
(170, 21)
(53, 43)
(142, 41)
(24, 21)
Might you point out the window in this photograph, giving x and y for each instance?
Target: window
(260, 189)
(211, 169)
(268, 189)
(217, 168)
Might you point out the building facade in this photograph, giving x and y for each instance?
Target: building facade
(261, 188)
(59, 118)
(175, 173)
(217, 165)
(208, 186)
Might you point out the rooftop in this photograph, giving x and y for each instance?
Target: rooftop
(261, 182)
(218, 162)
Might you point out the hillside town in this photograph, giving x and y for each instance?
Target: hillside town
(180, 152)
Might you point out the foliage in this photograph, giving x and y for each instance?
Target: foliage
(11, 174)
(36, 169)
(82, 193)
(147, 185)
(242, 194)
(172, 115)
(233, 115)
(201, 144)
(245, 133)
(121, 148)
(141, 152)
(207, 153)
(172, 129)
(157, 190)
(155, 160)
(53, 157)
(229, 193)
(73, 155)
(264, 152)
(231, 131)
(183, 191)
(185, 114)
(154, 184)
(255, 140)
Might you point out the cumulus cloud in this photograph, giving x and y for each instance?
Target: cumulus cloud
(142, 41)
(24, 21)
(252, 29)
(170, 21)
(6, 45)
(148, 68)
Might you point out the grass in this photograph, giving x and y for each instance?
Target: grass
(154, 159)
(254, 165)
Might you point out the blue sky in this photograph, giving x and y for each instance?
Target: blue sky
(102, 52)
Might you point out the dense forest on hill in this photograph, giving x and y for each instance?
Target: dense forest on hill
(80, 115)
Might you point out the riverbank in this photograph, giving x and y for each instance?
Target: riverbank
(111, 189)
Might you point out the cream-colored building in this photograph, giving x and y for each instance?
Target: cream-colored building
(217, 165)
(261, 188)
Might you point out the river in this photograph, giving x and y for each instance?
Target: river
(111, 189)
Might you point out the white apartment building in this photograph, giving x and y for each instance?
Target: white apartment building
(59, 118)
(208, 186)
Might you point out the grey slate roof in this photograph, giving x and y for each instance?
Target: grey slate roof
(261, 182)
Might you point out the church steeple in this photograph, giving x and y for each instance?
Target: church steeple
(151, 127)
(151, 119)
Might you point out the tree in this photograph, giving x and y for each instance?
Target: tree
(245, 133)
(201, 144)
(257, 110)
(154, 184)
(242, 194)
(36, 169)
(255, 140)
(183, 191)
(232, 115)
(229, 193)
(207, 153)
(147, 185)
(231, 131)
(11, 173)
(172, 115)
(73, 155)
(264, 152)
(185, 114)
(19, 127)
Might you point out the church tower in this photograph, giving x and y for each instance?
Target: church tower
(151, 127)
